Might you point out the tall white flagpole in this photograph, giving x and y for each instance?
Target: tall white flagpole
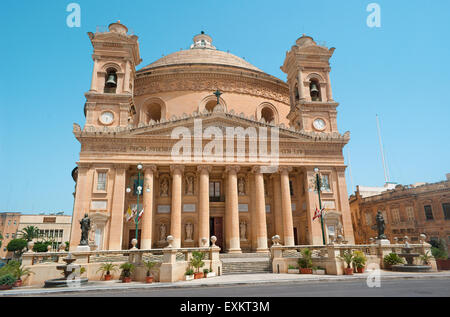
(386, 178)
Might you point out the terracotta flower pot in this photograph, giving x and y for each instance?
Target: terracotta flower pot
(149, 279)
(18, 283)
(108, 277)
(348, 271)
(5, 287)
(126, 280)
(360, 269)
(305, 271)
(198, 275)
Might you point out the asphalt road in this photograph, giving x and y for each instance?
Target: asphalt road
(389, 288)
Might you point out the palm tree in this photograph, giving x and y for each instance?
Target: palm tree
(29, 233)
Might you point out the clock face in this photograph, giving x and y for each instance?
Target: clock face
(107, 117)
(319, 124)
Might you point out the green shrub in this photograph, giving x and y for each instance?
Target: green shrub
(127, 268)
(305, 262)
(359, 259)
(41, 246)
(7, 279)
(17, 246)
(292, 267)
(393, 259)
(197, 260)
(205, 271)
(189, 272)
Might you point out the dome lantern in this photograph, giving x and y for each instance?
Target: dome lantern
(202, 40)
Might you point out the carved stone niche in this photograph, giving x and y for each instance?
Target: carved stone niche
(162, 231)
(333, 225)
(98, 225)
(189, 184)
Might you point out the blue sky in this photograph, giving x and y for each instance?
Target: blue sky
(400, 71)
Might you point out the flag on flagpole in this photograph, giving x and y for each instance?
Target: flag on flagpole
(129, 214)
(318, 213)
(141, 214)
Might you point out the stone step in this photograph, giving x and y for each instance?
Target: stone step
(243, 255)
(248, 266)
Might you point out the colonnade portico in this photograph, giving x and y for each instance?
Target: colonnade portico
(282, 206)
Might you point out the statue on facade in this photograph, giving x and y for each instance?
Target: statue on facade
(164, 188)
(85, 228)
(190, 185)
(241, 186)
(162, 232)
(243, 230)
(189, 230)
(380, 225)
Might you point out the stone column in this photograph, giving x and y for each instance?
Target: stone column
(232, 211)
(288, 224)
(81, 204)
(277, 206)
(347, 225)
(312, 202)
(175, 213)
(300, 84)
(147, 218)
(203, 205)
(117, 209)
(260, 211)
(329, 91)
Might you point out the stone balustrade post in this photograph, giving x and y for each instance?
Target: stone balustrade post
(334, 264)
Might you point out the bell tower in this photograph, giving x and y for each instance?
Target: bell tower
(308, 76)
(109, 102)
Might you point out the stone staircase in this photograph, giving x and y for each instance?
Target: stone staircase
(245, 263)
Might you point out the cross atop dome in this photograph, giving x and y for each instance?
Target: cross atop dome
(202, 40)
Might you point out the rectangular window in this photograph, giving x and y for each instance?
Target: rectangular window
(101, 181)
(325, 183)
(428, 212)
(446, 209)
(395, 215)
(214, 191)
(410, 213)
(291, 188)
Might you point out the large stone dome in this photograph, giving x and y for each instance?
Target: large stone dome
(202, 52)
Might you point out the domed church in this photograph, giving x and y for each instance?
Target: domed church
(202, 143)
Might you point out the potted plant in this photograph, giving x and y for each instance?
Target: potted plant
(197, 262)
(127, 268)
(189, 275)
(359, 261)
(7, 281)
(305, 262)
(348, 258)
(210, 273)
(106, 269)
(19, 272)
(149, 266)
(293, 269)
(392, 259)
(426, 258)
(317, 270)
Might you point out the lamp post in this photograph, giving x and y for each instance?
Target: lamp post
(139, 191)
(318, 187)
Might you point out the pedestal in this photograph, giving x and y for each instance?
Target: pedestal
(83, 248)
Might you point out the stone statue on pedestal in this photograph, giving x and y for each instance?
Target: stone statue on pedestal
(85, 228)
(380, 225)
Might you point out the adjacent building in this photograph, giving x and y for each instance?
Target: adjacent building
(52, 226)
(134, 138)
(9, 222)
(408, 211)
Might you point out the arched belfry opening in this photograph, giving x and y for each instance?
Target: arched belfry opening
(314, 90)
(267, 114)
(110, 81)
(153, 112)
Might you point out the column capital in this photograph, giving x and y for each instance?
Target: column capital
(285, 169)
(174, 168)
(150, 168)
(256, 170)
(121, 166)
(232, 168)
(202, 168)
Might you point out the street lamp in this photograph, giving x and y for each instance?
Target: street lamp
(139, 191)
(318, 187)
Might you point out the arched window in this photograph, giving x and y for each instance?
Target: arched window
(111, 81)
(314, 89)
(267, 114)
(153, 112)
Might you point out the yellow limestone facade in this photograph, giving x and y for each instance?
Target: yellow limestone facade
(194, 188)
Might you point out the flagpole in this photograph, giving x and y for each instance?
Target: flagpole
(320, 203)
